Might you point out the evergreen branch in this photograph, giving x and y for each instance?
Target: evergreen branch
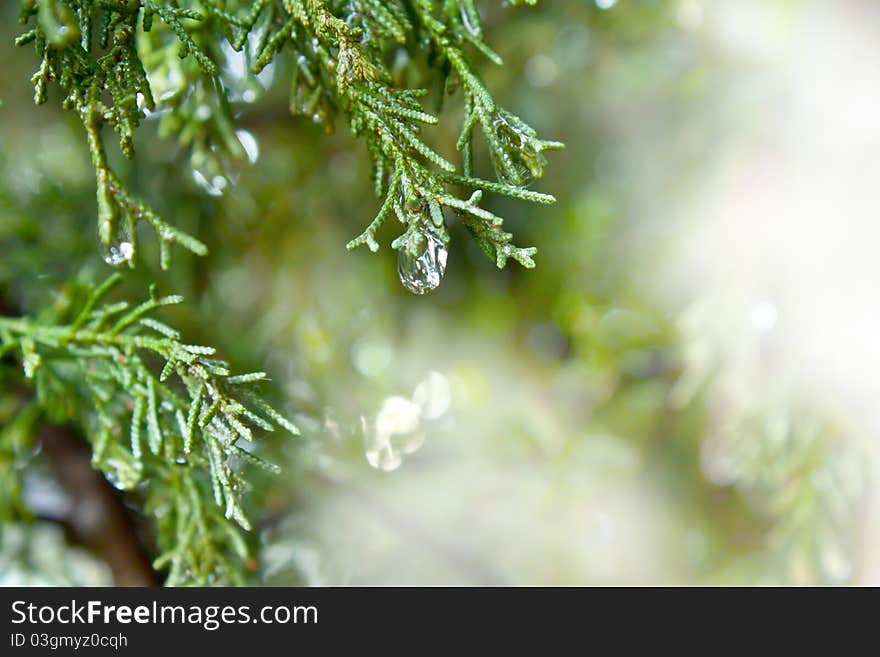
(339, 50)
(387, 119)
(190, 417)
(106, 84)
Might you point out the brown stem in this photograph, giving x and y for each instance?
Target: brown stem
(98, 520)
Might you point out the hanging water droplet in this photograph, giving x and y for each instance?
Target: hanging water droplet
(422, 273)
(523, 153)
(121, 248)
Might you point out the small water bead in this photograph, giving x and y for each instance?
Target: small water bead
(119, 253)
(423, 272)
(523, 152)
(121, 248)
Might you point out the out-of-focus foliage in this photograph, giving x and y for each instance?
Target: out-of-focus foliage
(557, 426)
(90, 362)
(36, 555)
(177, 443)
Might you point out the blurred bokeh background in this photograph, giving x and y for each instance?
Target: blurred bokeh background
(684, 391)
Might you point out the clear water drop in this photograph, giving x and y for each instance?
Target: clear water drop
(523, 153)
(422, 273)
(121, 248)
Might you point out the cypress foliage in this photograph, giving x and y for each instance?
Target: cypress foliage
(168, 418)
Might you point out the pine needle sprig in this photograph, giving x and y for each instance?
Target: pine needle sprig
(120, 62)
(89, 48)
(164, 418)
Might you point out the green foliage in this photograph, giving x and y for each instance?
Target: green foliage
(606, 439)
(88, 48)
(173, 436)
(112, 61)
(37, 555)
(166, 420)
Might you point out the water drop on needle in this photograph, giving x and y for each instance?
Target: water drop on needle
(422, 273)
(121, 248)
(524, 155)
